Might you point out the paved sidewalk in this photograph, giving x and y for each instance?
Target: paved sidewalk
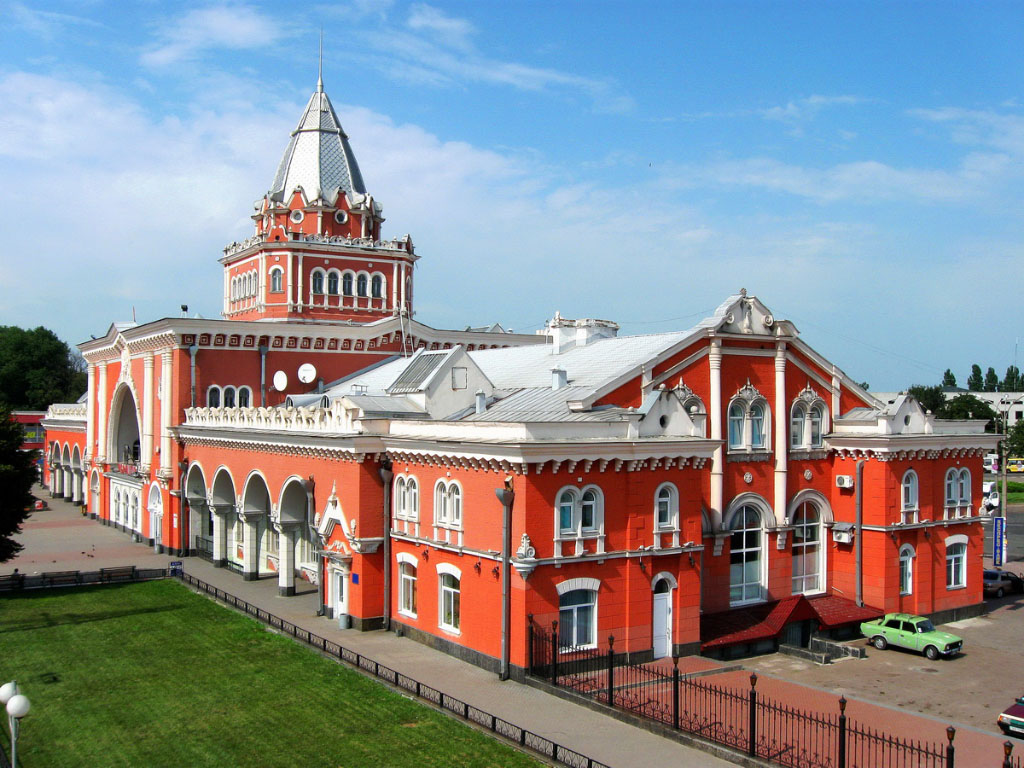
(61, 539)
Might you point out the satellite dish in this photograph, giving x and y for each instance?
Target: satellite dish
(307, 373)
(280, 381)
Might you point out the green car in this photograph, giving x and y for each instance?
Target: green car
(915, 633)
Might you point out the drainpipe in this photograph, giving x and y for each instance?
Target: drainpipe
(507, 497)
(263, 375)
(193, 351)
(858, 533)
(386, 474)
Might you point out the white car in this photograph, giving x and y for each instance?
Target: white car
(990, 496)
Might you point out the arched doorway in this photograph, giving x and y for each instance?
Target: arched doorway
(221, 521)
(196, 496)
(124, 440)
(296, 550)
(94, 495)
(255, 514)
(76, 477)
(661, 620)
(155, 505)
(65, 473)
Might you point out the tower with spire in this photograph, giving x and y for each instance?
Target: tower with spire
(317, 253)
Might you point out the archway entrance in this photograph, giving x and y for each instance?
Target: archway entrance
(661, 629)
(155, 506)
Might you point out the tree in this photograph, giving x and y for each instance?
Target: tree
(37, 369)
(1014, 443)
(948, 379)
(17, 474)
(1012, 381)
(967, 406)
(930, 398)
(974, 381)
(991, 380)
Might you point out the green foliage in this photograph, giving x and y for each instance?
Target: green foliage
(1012, 381)
(151, 674)
(968, 406)
(991, 380)
(974, 382)
(948, 379)
(865, 386)
(1014, 445)
(37, 369)
(930, 398)
(17, 474)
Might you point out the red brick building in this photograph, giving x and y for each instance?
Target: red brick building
(661, 486)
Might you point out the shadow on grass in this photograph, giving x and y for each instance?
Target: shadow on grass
(46, 619)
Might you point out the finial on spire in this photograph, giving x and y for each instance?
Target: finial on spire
(320, 69)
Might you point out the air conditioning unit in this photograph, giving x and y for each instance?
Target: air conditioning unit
(842, 536)
(844, 481)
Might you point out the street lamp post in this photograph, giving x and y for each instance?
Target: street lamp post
(17, 707)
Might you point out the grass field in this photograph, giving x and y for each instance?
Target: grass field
(151, 674)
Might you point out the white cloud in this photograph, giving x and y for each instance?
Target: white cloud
(1001, 131)
(233, 27)
(452, 31)
(807, 108)
(45, 24)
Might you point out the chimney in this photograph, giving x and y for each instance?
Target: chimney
(481, 401)
(559, 378)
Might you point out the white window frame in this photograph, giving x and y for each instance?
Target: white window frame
(743, 435)
(277, 280)
(448, 512)
(363, 285)
(447, 592)
(578, 533)
(907, 555)
(348, 283)
(817, 578)
(808, 421)
(909, 495)
(407, 584)
(214, 390)
(956, 562)
(333, 277)
(666, 514)
(317, 277)
(591, 585)
(378, 280)
(958, 493)
(750, 592)
(225, 392)
(247, 391)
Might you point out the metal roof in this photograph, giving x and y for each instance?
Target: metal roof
(318, 158)
(421, 367)
(386, 406)
(536, 405)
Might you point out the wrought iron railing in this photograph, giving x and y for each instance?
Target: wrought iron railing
(204, 547)
(742, 719)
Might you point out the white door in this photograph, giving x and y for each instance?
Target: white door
(662, 629)
(341, 599)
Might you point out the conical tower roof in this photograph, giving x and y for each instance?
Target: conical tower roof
(318, 158)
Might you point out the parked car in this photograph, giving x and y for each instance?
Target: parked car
(1011, 719)
(989, 496)
(991, 463)
(998, 582)
(915, 633)
(1015, 465)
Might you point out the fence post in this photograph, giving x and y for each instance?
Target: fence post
(753, 715)
(950, 733)
(1007, 751)
(842, 732)
(554, 653)
(675, 692)
(529, 644)
(611, 670)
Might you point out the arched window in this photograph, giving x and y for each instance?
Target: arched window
(817, 417)
(906, 569)
(757, 426)
(318, 281)
(807, 549)
(454, 505)
(909, 496)
(332, 283)
(412, 495)
(276, 279)
(377, 287)
(666, 507)
(213, 397)
(450, 598)
(579, 515)
(244, 397)
(440, 505)
(796, 426)
(361, 285)
(346, 284)
(229, 397)
(745, 556)
(577, 619)
(736, 426)
(407, 589)
(956, 565)
(566, 512)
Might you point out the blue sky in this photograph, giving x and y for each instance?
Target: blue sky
(857, 166)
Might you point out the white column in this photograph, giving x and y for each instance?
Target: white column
(718, 459)
(300, 298)
(68, 484)
(166, 406)
(781, 433)
(394, 286)
(101, 421)
(250, 562)
(146, 459)
(286, 561)
(220, 538)
(90, 415)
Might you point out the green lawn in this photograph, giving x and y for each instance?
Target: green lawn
(151, 675)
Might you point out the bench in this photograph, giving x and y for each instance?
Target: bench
(53, 578)
(12, 581)
(120, 573)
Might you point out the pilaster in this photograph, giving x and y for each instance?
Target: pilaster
(718, 458)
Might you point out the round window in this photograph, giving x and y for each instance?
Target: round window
(663, 421)
(340, 216)
(297, 216)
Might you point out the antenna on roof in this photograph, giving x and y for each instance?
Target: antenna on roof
(320, 70)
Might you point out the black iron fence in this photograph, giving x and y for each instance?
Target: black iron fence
(742, 719)
(516, 734)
